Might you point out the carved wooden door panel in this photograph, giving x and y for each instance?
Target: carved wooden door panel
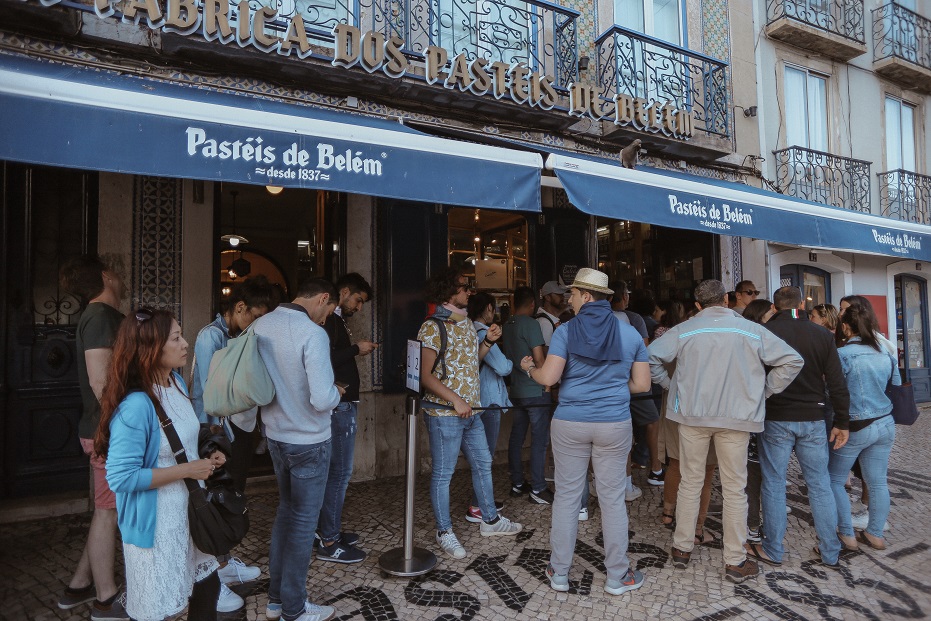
(49, 214)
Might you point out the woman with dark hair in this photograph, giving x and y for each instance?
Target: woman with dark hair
(759, 311)
(494, 367)
(868, 368)
(165, 572)
(673, 313)
(248, 300)
(825, 315)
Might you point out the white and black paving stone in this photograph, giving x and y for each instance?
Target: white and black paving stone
(503, 577)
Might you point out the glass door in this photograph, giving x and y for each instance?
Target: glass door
(814, 283)
(911, 315)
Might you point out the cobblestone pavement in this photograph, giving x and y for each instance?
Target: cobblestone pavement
(502, 577)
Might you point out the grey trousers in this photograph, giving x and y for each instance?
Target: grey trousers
(606, 445)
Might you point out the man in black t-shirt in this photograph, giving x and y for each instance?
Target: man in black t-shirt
(101, 288)
(335, 545)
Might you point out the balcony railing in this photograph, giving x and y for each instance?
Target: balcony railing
(840, 17)
(638, 65)
(824, 178)
(901, 33)
(540, 34)
(905, 195)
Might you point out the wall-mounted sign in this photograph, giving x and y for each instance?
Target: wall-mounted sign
(412, 373)
(247, 26)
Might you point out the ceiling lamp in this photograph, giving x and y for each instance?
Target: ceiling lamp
(274, 190)
(232, 238)
(239, 268)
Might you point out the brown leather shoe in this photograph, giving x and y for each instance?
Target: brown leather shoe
(680, 559)
(739, 573)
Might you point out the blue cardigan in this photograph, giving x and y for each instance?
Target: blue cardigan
(133, 454)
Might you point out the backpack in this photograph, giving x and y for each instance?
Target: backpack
(440, 355)
(543, 315)
(237, 379)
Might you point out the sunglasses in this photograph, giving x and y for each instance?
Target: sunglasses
(750, 292)
(143, 315)
(468, 285)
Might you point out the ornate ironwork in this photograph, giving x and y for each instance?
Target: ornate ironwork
(636, 64)
(824, 178)
(841, 17)
(901, 33)
(57, 310)
(905, 195)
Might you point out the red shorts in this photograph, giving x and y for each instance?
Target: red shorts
(104, 498)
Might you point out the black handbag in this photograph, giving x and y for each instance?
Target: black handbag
(904, 409)
(217, 517)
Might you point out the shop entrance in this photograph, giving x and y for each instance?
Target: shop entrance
(911, 328)
(665, 261)
(814, 283)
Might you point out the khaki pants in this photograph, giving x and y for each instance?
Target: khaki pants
(731, 449)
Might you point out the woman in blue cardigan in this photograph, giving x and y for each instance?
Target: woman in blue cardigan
(165, 572)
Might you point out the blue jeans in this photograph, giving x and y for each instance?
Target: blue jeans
(811, 448)
(342, 450)
(532, 412)
(872, 445)
(491, 421)
(447, 435)
(301, 470)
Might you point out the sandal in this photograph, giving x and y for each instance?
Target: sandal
(863, 537)
(848, 543)
(756, 551)
(706, 539)
(671, 524)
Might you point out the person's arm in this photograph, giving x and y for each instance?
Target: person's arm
(538, 354)
(896, 376)
(784, 361)
(547, 375)
(837, 388)
(323, 393)
(340, 355)
(639, 378)
(97, 362)
(498, 362)
(662, 352)
(491, 337)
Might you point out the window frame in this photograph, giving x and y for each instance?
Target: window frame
(809, 74)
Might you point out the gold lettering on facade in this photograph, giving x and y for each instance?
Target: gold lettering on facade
(296, 34)
(348, 46)
(182, 15)
(520, 86)
(499, 72)
(435, 59)
(243, 23)
(459, 75)
(216, 20)
(623, 109)
(669, 119)
(481, 78)
(153, 12)
(397, 61)
(548, 99)
(262, 39)
(373, 51)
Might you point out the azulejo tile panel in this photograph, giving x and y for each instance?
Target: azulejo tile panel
(156, 256)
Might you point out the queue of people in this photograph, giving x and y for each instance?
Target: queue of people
(602, 386)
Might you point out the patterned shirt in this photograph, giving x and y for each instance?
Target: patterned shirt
(461, 361)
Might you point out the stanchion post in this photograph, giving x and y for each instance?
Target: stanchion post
(408, 560)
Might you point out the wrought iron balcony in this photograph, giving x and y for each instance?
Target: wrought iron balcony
(905, 195)
(632, 63)
(824, 178)
(831, 27)
(540, 34)
(902, 46)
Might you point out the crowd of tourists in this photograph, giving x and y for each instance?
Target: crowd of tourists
(604, 380)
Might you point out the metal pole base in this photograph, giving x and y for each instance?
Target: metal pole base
(393, 562)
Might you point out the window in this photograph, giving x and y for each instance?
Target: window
(658, 18)
(497, 30)
(900, 135)
(806, 109)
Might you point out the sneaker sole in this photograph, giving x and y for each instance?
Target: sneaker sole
(656, 483)
(738, 579)
(539, 501)
(218, 610)
(455, 556)
(583, 518)
(562, 588)
(474, 520)
(623, 589)
(495, 533)
(89, 600)
(330, 559)
(273, 616)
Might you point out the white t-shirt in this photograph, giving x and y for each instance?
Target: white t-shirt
(548, 323)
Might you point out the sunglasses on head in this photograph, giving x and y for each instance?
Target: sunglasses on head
(143, 315)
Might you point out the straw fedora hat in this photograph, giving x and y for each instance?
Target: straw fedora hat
(593, 280)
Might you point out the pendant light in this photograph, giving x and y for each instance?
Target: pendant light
(233, 239)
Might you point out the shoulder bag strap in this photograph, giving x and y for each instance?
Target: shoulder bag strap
(441, 355)
(174, 442)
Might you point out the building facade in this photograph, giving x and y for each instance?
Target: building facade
(390, 139)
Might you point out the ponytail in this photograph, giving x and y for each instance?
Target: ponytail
(860, 321)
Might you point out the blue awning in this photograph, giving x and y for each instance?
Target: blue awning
(690, 202)
(59, 115)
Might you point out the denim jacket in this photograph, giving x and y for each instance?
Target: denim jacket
(211, 338)
(867, 372)
(491, 374)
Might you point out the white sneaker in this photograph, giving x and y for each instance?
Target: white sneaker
(313, 612)
(633, 493)
(862, 520)
(503, 526)
(450, 545)
(237, 572)
(228, 601)
(583, 514)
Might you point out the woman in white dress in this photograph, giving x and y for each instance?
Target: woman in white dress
(165, 572)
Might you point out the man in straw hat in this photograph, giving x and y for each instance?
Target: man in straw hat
(598, 361)
(718, 391)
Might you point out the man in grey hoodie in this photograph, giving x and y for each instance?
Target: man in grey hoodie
(717, 394)
(296, 352)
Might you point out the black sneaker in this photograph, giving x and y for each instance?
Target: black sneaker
(544, 497)
(72, 598)
(657, 478)
(520, 490)
(350, 539)
(339, 552)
